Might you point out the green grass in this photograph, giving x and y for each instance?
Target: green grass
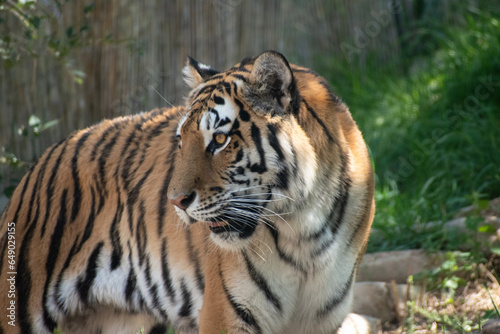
(433, 130)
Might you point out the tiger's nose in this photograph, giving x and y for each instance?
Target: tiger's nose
(183, 201)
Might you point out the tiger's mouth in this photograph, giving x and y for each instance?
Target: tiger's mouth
(219, 227)
(223, 226)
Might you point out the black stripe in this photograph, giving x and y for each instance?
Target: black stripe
(100, 191)
(235, 126)
(194, 258)
(260, 167)
(163, 198)
(125, 175)
(274, 142)
(84, 284)
(55, 244)
(325, 245)
(152, 133)
(129, 160)
(362, 222)
(321, 81)
(227, 87)
(215, 77)
(244, 115)
(205, 72)
(77, 192)
(239, 76)
(244, 313)
(203, 89)
(157, 129)
(320, 122)
(219, 100)
(127, 164)
(235, 88)
(34, 192)
(187, 305)
(106, 151)
(261, 283)
(338, 298)
(89, 227)
(58, 297)
(165, 271)
(162, 203)
(114, 235)
(239, 156)
(50, 188)
(141, 233)
(340, 202)
(153, 289)
(334, 98)
(314, 236)
(21, 196)
(223, 122)
(337, 212)
(132, 278)
(284, 173)
(102, 139)
(101, 186)
(283, 256)
(133, 195)
(23, 280)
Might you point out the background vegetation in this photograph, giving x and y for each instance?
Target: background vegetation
(432, 123)
(421, 77)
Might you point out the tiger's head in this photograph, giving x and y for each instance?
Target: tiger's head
(236, 165)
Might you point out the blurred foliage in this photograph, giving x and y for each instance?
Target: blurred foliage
(41, 29)
(30, 131)
(432, 125)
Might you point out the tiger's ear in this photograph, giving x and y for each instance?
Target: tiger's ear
(272, 86)
(195, 73)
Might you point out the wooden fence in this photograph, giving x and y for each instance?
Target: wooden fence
(119, 57)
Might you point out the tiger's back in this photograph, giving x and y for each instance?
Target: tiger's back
(247, 211)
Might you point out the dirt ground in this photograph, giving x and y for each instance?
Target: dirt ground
(472, 305)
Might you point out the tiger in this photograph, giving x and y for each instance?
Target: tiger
(245, 210)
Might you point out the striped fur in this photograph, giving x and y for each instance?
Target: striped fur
(245, 211)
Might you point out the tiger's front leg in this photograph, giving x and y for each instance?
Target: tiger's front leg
(242, 297)
(222, 312)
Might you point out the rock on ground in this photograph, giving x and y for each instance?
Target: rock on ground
(360, 324)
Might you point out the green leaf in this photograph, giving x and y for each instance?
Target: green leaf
(49, 125)
(451, 283)
(490, 229)
(34, 121)
(495, 250)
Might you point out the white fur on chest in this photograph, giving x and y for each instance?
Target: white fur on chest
(305, 289)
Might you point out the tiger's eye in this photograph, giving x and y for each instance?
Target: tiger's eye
(220, 138)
